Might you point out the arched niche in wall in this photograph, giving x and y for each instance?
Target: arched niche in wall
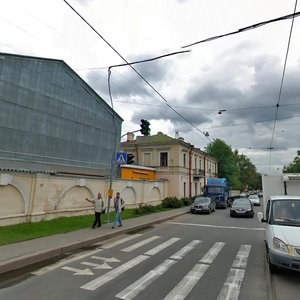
(11, 201)
(74, 196)
(129, 195)
(155, 194)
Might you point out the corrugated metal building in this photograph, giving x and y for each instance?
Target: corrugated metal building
(50, 116)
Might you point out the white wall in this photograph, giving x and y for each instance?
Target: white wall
(29, 197)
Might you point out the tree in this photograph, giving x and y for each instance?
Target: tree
(249, 177)
(227, 164)
(237, 168)
(293, 167)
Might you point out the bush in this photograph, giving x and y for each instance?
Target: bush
(186, 201)
(146, 209)
(171, 202)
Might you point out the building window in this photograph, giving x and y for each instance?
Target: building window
(164, 159)
(184, 189)
(184, 160)
(196, 167)
(147, 160)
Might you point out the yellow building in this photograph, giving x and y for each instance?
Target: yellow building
(184, 166)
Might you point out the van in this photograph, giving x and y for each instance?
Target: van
(282, 232)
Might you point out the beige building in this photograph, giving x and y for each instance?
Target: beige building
(183, 165)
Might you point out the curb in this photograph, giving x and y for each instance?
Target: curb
(20, 262)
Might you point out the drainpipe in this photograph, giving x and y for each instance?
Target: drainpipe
(137, 153)
(190, 171)
(205, 170)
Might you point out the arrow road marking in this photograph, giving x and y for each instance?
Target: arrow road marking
(64, 262)
(101, 280)
(86, 271)
(106, 259)
(104, 266)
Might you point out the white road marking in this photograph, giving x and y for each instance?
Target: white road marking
(184, 250)
(104, 266)
(232, 286)
(140, 244)
(209, 257)
(242, 257)
(106, 259)
(101, 280)
(217, 226)
(184, 287)
(78, 271)
(135, 288)
(121, 241)
(64, 262)
(162, 246)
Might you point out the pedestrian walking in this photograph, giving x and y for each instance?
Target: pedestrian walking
(119, 205)
(99, 208)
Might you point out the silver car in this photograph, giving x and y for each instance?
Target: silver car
(203, 204)
(254, 199)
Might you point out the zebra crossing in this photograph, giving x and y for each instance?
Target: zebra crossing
(113, 268)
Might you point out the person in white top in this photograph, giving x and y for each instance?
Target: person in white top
(99, 208)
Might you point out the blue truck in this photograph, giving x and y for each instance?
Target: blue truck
(217, 189)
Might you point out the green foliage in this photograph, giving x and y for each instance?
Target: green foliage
(171, 202)
(293, 167)
(27, 231)
(146, 209)
(237, 168)
(227, 164)
(186, 201)
(174, 202)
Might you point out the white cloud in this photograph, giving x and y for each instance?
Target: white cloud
(240, 73)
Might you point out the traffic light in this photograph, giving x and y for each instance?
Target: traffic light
(145, 127)
(130, 158)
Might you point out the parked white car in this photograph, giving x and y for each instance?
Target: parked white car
(282, 218)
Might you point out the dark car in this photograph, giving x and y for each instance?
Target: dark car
(241, 207)
(203, 204)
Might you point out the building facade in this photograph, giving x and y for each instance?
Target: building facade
(49, 115)
(183, 165)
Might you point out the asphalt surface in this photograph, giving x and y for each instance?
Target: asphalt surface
(20, 255)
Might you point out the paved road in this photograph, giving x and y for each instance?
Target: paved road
(191, 257)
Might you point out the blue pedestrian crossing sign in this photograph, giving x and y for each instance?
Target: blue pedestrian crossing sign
(121, 158)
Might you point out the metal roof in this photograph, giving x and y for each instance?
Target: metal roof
(52, 169)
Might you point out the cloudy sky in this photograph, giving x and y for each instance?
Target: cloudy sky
(241, 73)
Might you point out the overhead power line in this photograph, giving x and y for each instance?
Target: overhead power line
(129, 64)
(254, 26)
(282, 77)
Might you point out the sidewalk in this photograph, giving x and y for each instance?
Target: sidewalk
(19, 255)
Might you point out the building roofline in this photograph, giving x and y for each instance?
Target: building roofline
(67, 66)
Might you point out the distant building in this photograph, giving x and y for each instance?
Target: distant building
(184, 166)
(51, 119)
